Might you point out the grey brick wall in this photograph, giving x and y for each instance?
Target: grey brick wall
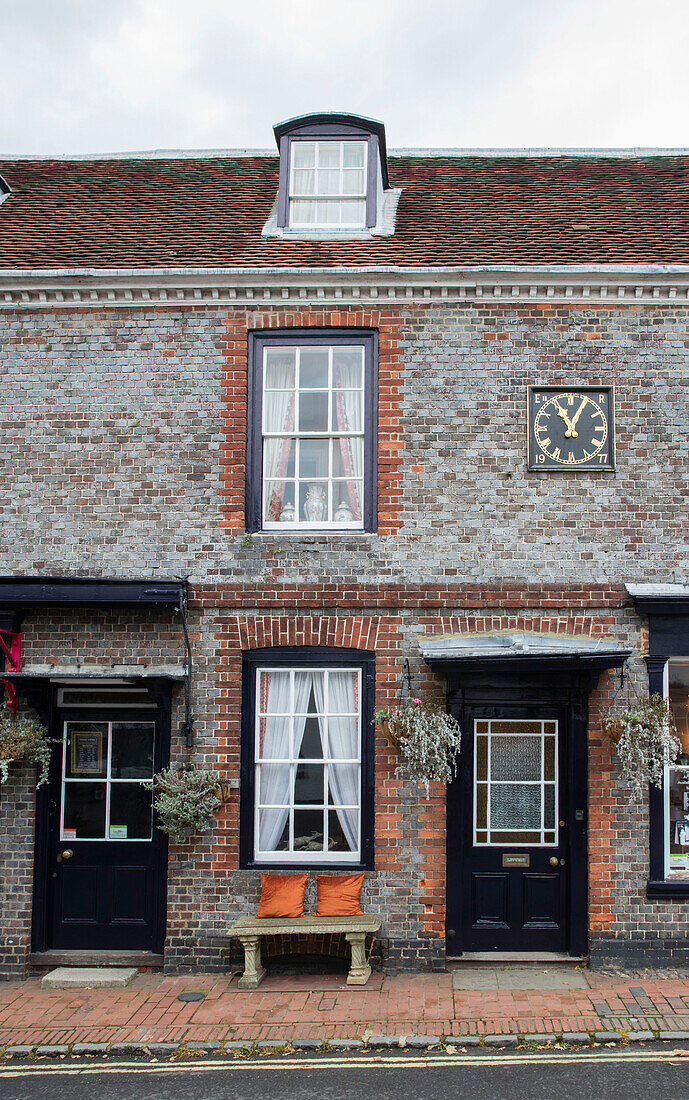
(113, 430)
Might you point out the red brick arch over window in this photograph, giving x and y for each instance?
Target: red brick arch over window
(443, 625)
(258, 632)
(388, 323)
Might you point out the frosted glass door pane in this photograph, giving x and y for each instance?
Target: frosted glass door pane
(515, 807)
(515, 758)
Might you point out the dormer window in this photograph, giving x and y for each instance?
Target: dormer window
(328, 183)
(333, 178)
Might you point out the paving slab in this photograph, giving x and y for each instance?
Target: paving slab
(518, 977)
(89, 977)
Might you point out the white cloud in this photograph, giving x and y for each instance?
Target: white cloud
(97, 75)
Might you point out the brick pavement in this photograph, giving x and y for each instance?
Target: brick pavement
(322, 1008)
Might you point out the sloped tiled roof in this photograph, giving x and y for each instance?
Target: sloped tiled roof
(454, 210)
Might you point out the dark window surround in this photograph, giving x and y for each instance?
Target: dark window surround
(337, 127)
(300, 657)
(668, 622)
(254, 467)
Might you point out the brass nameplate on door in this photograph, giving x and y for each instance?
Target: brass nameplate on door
(513, 860)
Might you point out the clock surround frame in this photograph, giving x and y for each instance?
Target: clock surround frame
(551, 465)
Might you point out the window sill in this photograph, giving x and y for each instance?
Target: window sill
(667, 888)
(312, 535)
(315, 868)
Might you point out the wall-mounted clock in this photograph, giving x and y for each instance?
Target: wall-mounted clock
(571, 428)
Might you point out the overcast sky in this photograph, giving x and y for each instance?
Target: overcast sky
(111, 75)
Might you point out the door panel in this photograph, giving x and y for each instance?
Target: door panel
(508, 867)
(541, 900)
(78, 898)
(490, 897)
(106, 860)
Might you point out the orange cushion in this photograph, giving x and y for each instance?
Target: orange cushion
(282, 896)
(339, 895)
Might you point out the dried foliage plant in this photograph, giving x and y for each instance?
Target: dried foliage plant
(186, 801)
(428, 739)
(645, 739)
(23, 737)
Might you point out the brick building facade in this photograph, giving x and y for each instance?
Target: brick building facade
(127, 402)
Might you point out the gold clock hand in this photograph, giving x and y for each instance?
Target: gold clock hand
(561, 412)
(572, 432)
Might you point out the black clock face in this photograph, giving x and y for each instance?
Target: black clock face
(571, 429)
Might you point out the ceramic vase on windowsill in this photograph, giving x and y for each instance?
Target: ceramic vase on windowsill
(316, 506)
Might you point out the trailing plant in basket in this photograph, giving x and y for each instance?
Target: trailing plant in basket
(186, 801)
(428, 739)
(23, 737)
(646, 740)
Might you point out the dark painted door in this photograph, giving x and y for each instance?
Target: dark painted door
(509, 882)
(106, 859)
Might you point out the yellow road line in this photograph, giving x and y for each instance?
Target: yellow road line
(271, 1062)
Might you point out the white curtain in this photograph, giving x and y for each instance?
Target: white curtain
(274, 779)
(343, 744)
(278, 416)
(349, 418)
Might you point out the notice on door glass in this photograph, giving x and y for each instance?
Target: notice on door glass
(87, 752)
(118, 832)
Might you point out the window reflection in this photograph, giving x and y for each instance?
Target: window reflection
(677, 777)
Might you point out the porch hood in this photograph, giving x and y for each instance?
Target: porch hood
(523, 650)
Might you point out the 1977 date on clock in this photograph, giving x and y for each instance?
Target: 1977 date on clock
(571, 429)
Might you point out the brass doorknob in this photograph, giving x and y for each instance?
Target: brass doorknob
(554, 861)
(67, 854)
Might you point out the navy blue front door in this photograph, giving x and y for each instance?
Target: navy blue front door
(508, 848)
(106, 858)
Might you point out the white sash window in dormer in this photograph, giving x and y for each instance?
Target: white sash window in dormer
(328, 184)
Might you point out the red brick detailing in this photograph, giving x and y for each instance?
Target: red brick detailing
(238, 324)
(474, 624)
(256, 632)
(432, 596)
(606, 812)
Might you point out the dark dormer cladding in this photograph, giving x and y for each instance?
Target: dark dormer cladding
(4, 189)
(333, 171)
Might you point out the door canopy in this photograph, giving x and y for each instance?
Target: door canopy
(523, 651)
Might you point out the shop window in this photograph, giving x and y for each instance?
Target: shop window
(307, 758)
(676, 786)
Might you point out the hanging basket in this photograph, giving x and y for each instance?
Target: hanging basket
(428, 740)
(186, 802)
(645, 739)
(23, 737)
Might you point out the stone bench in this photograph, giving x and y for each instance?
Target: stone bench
(249, 930)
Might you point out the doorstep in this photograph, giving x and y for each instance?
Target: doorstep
(89, 977)
(514, 958)
(142, 960)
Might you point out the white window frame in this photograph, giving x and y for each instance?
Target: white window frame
(106, 779)
(542, 782)
(332, 199)
(330, 434)
(300, 856)
(666, 782)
